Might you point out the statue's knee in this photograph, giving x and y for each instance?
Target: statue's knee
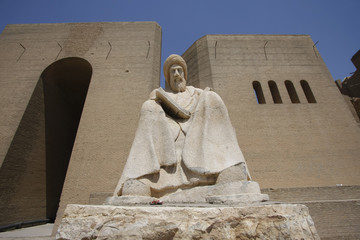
(233, 174)
(135, 187)
(151, 106)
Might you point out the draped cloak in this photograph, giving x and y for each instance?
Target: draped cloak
(210, 144)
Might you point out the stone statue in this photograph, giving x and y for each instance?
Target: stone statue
(185, 151)
(184, 140)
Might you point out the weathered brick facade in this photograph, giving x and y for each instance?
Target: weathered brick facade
(292, 123)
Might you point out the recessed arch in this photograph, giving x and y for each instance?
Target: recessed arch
(292, 91)
(260, 98)
(34, 168)
(65, 85)
(307, 91)
(274, 91)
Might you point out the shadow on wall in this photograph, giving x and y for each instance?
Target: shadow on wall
(34, 169)
(66, 83)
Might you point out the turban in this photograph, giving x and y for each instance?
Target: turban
(171, 60)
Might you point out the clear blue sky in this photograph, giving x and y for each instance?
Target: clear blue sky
(334, 23)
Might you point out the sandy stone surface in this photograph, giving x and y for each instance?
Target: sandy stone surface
(273, 221)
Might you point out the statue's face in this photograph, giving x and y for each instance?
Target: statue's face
(177, 79)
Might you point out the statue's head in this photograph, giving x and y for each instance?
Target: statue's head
(175, 71)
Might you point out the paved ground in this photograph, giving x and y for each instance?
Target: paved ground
(37, 232)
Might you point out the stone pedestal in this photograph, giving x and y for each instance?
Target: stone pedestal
(207, 221)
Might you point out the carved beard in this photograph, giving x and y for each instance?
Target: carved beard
(178, 84)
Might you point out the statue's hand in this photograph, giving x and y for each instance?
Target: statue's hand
(170, 106)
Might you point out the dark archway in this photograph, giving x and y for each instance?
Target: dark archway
(65, 84)
(34, 168)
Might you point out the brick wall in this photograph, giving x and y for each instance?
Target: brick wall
(287, 144)
(335, 210)
(125, 62)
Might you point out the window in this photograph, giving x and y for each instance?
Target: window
(292, 92)
(258, 92)
(274, 92)
(307, 91)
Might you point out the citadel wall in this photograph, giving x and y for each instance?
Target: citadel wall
(350, 88)
(286, 142)
(290, 139)
(123, 62)
(299, 139)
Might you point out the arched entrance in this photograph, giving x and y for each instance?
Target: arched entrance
(65, 84)
(34, 168)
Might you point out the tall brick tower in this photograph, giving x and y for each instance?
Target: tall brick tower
(297, 134)
(70, 99)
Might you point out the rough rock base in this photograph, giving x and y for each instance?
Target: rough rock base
(272, 221)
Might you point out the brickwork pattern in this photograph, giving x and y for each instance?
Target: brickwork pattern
(125, 58)
(287, 144)
(335, 210)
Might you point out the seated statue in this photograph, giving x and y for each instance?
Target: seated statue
(184, 140)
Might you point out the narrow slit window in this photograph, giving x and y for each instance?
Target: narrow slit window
(274, 92)
(258, 92)
(292, 92)
(307, 91)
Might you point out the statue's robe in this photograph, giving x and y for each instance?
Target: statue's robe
(179, 153)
